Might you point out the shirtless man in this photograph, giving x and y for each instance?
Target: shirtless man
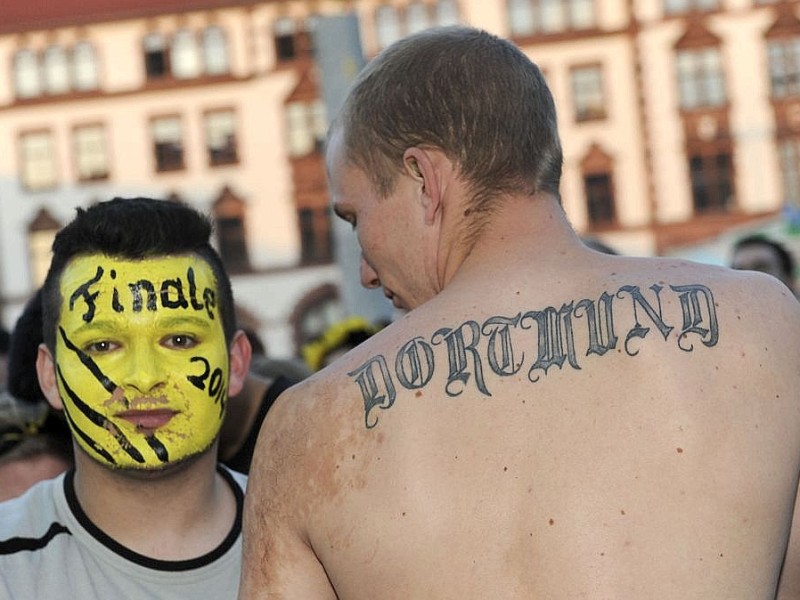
(547, 421)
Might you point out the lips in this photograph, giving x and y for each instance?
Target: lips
(147, 420)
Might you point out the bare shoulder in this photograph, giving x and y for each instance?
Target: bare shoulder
(298, 442)
(757, 301)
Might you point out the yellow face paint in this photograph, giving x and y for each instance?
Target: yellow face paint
(141, 358)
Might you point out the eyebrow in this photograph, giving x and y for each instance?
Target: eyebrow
(184, 320)
(172, 322)
(98, 326)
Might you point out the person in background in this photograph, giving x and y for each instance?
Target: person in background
(545, 421)
(336, 341)
(598, 245)
(35, 443)
(760, 253)
(246, 411)
(141, 352)
(31, 450)
(5, 341)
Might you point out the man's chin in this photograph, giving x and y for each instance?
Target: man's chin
(156, 471)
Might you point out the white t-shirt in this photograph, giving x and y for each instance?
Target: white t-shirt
(50, 549)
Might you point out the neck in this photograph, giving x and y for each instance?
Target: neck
(518, 226)
(156, 514)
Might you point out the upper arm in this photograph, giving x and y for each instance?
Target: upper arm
(278, 560)
(789, 585)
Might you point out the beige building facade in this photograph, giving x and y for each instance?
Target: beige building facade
(680, 119)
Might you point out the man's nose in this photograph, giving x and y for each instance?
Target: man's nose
(143, 371)
(369, 278)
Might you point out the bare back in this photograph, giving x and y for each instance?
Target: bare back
(631, 431)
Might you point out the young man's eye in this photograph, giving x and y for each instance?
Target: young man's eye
(180, 341)
(101, 347)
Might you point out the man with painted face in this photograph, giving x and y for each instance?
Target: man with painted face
(141, 352)
(546, 421)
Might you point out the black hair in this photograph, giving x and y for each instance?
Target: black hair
(134, 229)
(26, 336)
(785, 258)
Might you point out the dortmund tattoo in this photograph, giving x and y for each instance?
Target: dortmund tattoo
(472, 350)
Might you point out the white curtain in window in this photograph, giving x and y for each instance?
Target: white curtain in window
(167, 129)
(84, 67)
(387, 25)
(520, 17)
(417, 17)
(447, 12)
(56, 70)
(582, 14)
(552, 16)
(38, 160)
(27, 81)
(185, 57)
(90, 152)
(215, 51)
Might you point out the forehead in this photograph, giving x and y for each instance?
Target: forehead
(110, 270)
(349, 184)
(97, 284)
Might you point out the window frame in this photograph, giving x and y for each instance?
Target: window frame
(161, 163)
(77, 153)
(25, 161)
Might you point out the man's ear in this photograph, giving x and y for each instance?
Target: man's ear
(422, 165)
(46, 372)
(240, 354)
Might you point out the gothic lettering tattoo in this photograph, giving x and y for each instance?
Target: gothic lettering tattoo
(497, 346)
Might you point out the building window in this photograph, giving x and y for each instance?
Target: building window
(315, 313)
(712, 181)
(91, 158)
(38, 160)
(784, 67)
(520, 17)
(156, 56)
(530, 17)
(789, 150)
(673, 7)
(167, 143)
(417, 17)
(316, 236)
(231, 239)
(84, 67)
(229, 220)
(215, 51)
(307, 126)
(41, 233)
(700, 78)
(587, 92)
(598, 185)
(27, 83)
(387, 25)
(56, 70)
(185, 55)
(599, 199)
(221, 137)
(285, 29)
(447, 13)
